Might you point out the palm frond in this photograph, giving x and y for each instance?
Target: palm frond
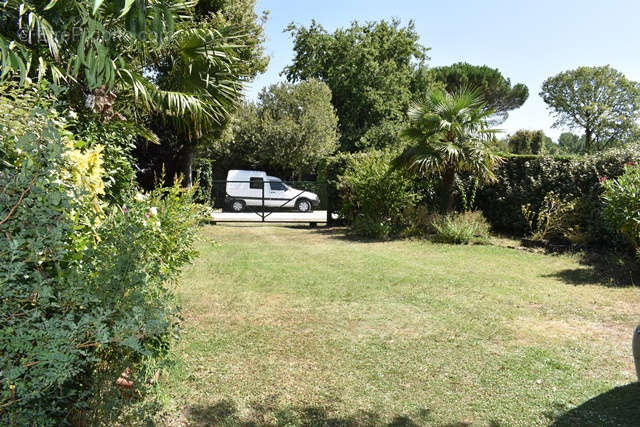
(449, 131)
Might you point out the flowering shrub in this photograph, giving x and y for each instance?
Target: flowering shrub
(622, 209)
(84, 292)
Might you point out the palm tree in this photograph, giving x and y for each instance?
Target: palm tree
(450, 134)
(152, 53)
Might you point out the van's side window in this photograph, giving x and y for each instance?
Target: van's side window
(255, 183)
(277, 186)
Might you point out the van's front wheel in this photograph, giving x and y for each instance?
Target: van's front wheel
(303, 205)
(238, 205)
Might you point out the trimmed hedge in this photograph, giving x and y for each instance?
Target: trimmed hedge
(331, 170)
(375, 197)
(526, 179)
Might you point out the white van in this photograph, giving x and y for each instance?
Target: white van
(244, 188)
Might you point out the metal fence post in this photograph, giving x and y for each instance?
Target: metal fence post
(262, 200)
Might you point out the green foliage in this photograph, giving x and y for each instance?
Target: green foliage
(83, 131)
(468, 191)
(240, 14)
(460, 228)
(450, 134)
(118, 140)
(78, 40)
(622, 209)
(290, 129)
(83, 286)
(499, 95)
(571, 143)
(369, 69)
(527, 179)
(552, 220)
(599, 100)
(329, 171)
(527, 142)
(374, 196)
(159, 58)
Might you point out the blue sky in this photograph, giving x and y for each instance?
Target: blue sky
(527, 40)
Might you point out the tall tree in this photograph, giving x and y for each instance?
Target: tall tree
(369, 69)
(290, 129)
(497, 91)
(571, 143)
(240, 14)
(527, 142)
(601, 101)
(450, 134)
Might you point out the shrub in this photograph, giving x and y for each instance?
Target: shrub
(83, 285)
(374, 196)
(460, 228)
(118, 140)
(622, 209)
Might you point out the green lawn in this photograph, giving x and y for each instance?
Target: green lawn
(297, 326)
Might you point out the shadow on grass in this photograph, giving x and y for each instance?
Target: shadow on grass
(225, 413)
(341, 233)
(606, 269)
(617, 407)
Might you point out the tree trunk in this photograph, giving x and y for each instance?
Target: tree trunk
(185, 164)
(588, 139)
(447, 187)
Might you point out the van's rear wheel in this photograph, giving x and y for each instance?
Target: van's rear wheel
(303, 205)
(238, 205)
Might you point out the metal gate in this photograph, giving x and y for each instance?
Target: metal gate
(262, 202)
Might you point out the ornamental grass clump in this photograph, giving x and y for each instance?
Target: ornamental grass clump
(460, 228)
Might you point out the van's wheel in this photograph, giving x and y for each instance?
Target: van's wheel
(303, 205)
(238, 205)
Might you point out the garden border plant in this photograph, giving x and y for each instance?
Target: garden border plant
(85, 284)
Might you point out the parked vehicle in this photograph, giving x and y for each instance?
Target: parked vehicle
(245, 188)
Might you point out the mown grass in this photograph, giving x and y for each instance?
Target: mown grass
(296, 326)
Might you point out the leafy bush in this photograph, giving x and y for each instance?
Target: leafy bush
(527, 179)
(460, 228)
(622, 209)
(118, 140)
(83, 285)
(374, 196)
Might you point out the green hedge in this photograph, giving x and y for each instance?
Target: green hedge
(526, 179)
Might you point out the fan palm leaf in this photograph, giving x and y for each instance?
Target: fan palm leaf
(449, 133)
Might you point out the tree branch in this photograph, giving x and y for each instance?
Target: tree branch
(13, 209)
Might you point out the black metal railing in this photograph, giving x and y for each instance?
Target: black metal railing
(266, 197)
